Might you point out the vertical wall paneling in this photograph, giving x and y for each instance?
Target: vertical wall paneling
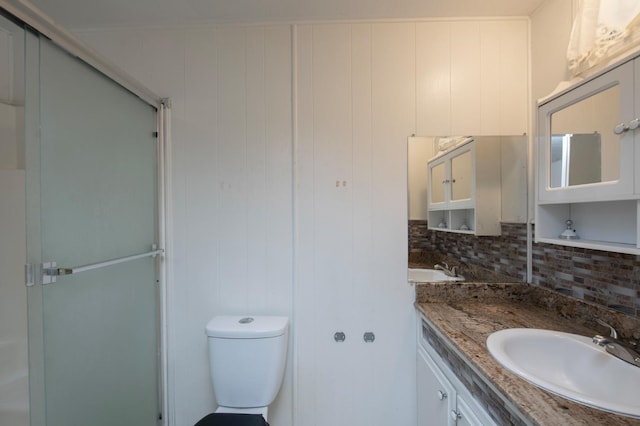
(363, 275)
(356, 107)
(231, 162)
(276, 211)
(305, 310)
(466, 78)
(433, 78)
(278, 189)
(472, 77)
(390, 303)
(333, 227)
(197, 234)
(490, 67)
(514, 56)
(504, 70)
(256, 146)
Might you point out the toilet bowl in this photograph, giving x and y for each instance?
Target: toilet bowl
(247, 356)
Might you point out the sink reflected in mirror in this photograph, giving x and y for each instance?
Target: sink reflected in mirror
(569, 365)
(416, 275)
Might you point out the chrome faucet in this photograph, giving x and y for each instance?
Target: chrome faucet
(450, 272)
(617, 348)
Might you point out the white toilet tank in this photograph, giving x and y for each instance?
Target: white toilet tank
(247, 359)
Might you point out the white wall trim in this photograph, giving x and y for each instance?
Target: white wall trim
(267, 24)
(294, 171)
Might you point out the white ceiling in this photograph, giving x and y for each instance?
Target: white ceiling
(82, 14)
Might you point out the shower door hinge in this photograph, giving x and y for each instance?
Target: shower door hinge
(30, 274)
(49, 272)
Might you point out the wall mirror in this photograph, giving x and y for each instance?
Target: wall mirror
(583, 147)
(513, 171)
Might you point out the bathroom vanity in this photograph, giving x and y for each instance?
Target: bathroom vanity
(442, 398)
(454, 322)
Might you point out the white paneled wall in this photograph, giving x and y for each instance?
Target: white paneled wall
(356, 97)
(232, 201)
(472, 77)
(294, 202)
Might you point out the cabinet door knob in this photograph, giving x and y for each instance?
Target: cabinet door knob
(620, 129)
(442, 395)
(455, 416)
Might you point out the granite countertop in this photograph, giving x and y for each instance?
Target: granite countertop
(464, 314)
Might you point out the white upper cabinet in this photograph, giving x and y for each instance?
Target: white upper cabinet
(472, 77)
(464, 188)
(586, 149)
(588, 163)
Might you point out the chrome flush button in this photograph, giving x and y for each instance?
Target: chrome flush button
(245, 320)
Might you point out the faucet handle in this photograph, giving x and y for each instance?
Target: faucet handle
(612, 331)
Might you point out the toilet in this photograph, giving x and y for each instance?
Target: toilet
(247, 357)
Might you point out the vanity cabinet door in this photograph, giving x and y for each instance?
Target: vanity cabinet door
(436, 397)
(442, 400)
(466, 416)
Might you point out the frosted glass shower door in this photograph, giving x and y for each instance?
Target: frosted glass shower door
(97, 158)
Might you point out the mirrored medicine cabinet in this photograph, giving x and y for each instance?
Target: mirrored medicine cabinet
(586, 147)
(587, 150)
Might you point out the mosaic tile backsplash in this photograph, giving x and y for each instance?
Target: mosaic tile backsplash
(606, 278)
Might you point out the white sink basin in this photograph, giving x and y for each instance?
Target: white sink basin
(429, 276)
(571, 366)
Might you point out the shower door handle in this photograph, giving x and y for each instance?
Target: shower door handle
(50, 270)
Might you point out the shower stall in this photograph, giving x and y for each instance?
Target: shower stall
(82, 248)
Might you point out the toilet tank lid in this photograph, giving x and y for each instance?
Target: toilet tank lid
(246, 327)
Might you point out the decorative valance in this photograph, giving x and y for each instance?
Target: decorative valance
(603, 30)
